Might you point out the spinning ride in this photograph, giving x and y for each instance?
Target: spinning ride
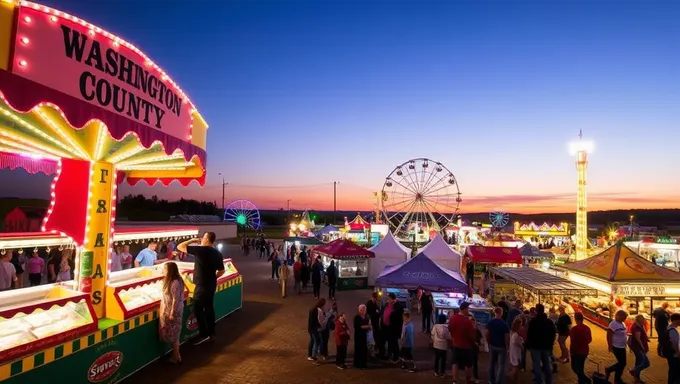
(419, 199)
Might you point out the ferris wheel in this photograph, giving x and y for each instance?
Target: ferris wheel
(243, 213)
(418, 197)
(499, 219)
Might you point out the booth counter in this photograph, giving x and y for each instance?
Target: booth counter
(51, 331)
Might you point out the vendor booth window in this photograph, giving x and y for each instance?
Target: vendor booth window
(353, 268)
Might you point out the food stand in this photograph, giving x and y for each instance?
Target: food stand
(298, 242)
(534, 286)
(628, 281)
(532, 255)
(61, 114)
(351, 262)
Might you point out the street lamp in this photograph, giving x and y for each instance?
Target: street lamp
(224, 183)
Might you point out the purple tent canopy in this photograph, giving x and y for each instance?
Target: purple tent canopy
(421, 273)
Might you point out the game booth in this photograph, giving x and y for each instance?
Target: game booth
(448, 287)
(627, 281)
(68, 109)
(531, 255)
(543, 234)
(533, 286)
(351, 262)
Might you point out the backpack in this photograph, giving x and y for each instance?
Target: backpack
(665, 347)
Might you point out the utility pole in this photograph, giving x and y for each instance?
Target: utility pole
(288, 211)
(224, 184)
(335, 200)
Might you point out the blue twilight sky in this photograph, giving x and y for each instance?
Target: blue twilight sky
(310, 92)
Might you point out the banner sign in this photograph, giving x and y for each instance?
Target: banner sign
(94, 259)
(84, 63)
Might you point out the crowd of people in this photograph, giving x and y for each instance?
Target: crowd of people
(58, 264)
(514, 336)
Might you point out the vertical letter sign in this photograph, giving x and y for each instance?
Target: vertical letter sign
(94, 260)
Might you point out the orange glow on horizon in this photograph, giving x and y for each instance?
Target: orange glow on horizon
(360, 199)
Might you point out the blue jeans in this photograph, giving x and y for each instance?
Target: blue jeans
(498, 355)
(314, 344)
(540, 364)
(641, 362)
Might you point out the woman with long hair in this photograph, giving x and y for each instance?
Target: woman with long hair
(639, 345)
(515, 351)
(65, 263)
(172, 306)
(315, 320)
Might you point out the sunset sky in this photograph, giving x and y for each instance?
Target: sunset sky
(301, 94)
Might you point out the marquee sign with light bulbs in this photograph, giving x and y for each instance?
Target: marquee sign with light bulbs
(85, 62)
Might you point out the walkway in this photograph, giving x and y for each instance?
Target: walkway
(266, 342)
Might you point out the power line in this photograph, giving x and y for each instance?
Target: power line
(279, 186)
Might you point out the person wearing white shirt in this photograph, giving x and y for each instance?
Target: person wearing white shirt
(616, 339)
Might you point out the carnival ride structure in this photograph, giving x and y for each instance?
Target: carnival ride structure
(581, 149)
(420, 197)
(244, 213)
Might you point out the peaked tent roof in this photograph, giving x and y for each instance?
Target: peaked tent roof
(359, 223)
(389, 245)
(439, 251)
(530, 250)
(494, 255)
(327, 229)
(421, 273)
(343, 249)
(620, 263)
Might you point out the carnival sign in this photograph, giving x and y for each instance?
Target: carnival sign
(105, 366)
(639, 290)
(421, 275)
(91, 65)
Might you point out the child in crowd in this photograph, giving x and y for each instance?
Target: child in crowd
(515, 353)
(407, 340)
(441, 338)
(341, 336)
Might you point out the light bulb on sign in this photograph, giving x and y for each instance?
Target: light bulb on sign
(24, 40)
(22, 63)
(27, 19)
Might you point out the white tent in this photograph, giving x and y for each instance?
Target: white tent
(441, 253)
(388, 251)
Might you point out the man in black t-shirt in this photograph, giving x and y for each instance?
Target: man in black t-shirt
(208, 267)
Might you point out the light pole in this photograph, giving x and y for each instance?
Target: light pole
(335, 199)
(289, 211)
(632, 217)
(224, 184)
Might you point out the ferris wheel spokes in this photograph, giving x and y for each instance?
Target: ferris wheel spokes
(415, 192)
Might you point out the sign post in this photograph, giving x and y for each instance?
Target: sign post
(94, 258)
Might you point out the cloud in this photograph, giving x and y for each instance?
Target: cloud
(609, 197)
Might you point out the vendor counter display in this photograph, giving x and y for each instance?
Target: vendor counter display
(60, 337)
(33, 319)
(601, 310)
(134, 291)
(352, 274)
(479, 307)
